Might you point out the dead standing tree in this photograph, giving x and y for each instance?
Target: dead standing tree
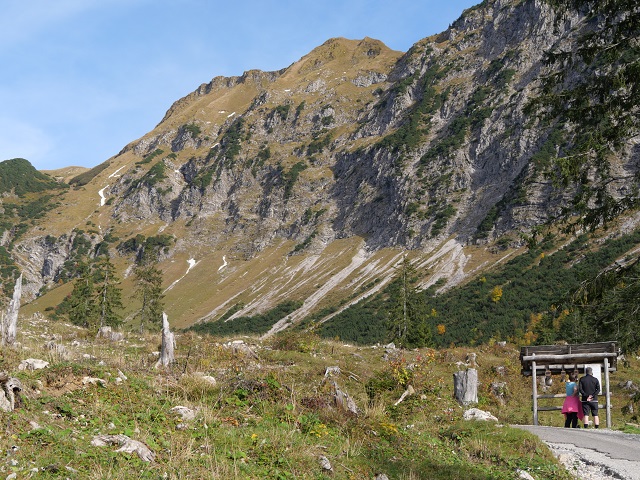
(9, 321)
(168, 344)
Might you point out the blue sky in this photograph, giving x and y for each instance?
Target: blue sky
(82, 78)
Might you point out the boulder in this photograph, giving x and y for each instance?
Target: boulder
(185, 413)
(477, 414)
(94, 381)
(10, 388)
(325, 463)
(108, 334)
(32, 364)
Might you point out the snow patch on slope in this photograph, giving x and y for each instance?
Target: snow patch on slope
(224, 263)
(103, 199)
(192, 263)
(115, 173)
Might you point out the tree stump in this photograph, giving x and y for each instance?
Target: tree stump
(465, 386)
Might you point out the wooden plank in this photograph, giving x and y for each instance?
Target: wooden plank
(600, 347)
(591, 357)
(550, 409)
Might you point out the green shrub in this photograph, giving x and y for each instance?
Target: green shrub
(292, 340)
(147, 158)
(282, 111)
(193, 129)
(19, 176)
(319, 144)
(289, 178)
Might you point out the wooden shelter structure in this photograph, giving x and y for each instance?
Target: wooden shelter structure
(547, 360)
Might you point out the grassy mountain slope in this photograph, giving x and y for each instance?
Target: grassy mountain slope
(18, 176)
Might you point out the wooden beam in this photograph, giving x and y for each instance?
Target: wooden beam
(590, 357)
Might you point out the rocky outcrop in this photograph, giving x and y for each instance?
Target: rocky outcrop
(448, 145)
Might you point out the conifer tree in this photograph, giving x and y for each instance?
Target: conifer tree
(607, 307)
(148, 279)
(108, 293)
(407, 311)
(81, 303)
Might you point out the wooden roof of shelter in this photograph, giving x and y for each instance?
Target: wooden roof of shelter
(558, 358)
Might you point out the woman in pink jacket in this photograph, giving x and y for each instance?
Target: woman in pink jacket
(572, 407)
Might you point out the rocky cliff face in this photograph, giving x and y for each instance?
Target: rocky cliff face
(354, 140)
(402, 153)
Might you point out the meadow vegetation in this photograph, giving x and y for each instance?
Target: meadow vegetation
(271, 412)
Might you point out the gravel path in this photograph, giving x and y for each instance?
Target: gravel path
(593, 454)
(586, 464)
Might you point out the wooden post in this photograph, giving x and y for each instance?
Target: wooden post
(608, 393)
(535, 392)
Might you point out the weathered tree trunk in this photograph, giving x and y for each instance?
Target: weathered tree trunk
(10, 319)
(126, 444)
(409, 391)
(168, 344)
(465, 386)
(9, 388)
(343, 400)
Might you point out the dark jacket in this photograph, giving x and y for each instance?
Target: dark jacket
(589, 385)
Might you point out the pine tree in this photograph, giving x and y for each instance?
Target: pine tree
(148, 280)
(607, 307)
(407, 311)
(81, 303)
(108, 293)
